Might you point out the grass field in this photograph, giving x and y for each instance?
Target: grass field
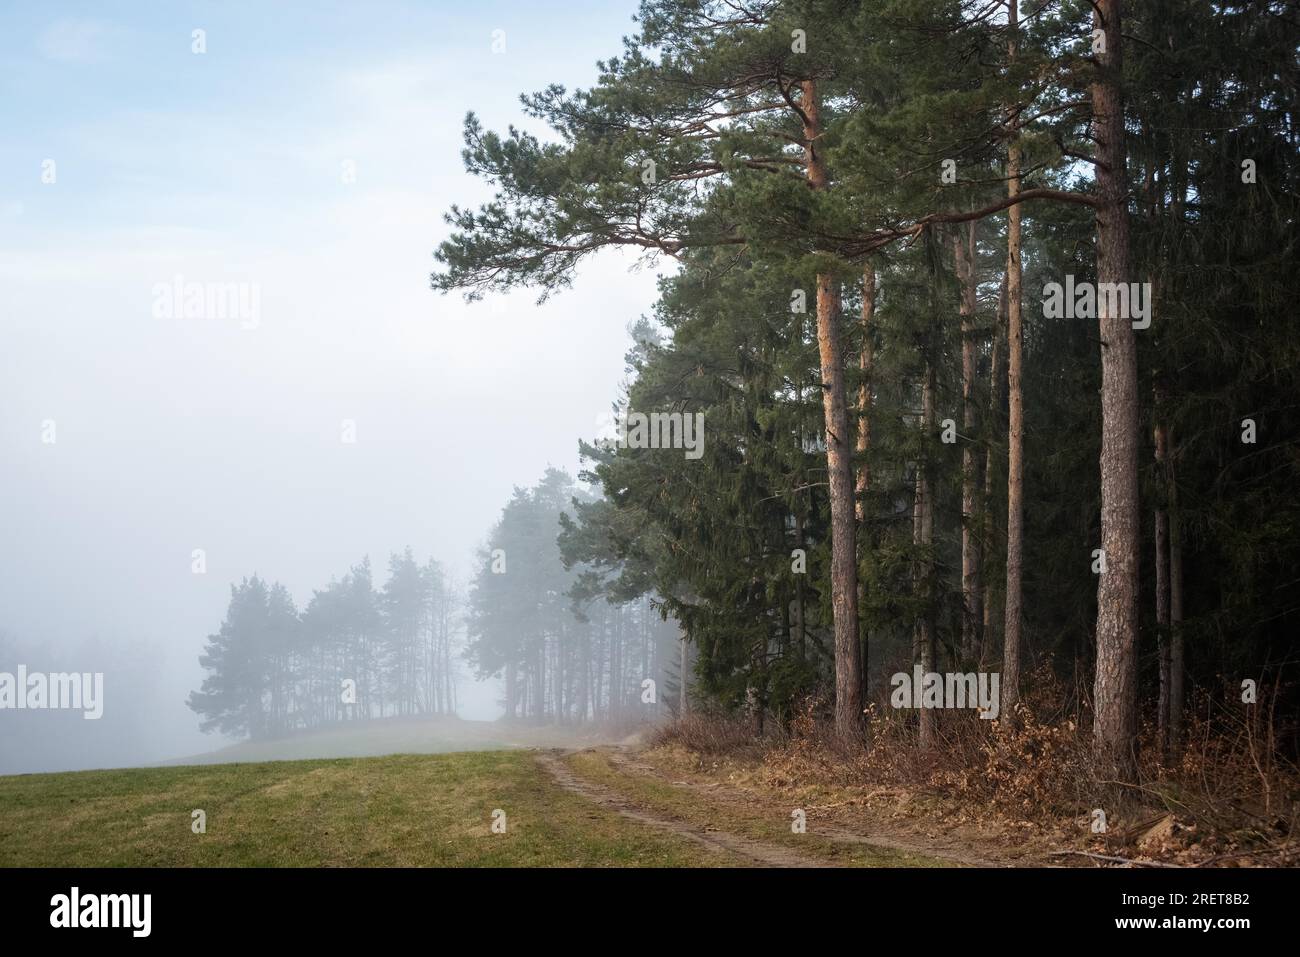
(574, 808)
(402, 810)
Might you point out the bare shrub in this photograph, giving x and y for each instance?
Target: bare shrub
(711, 734)
(1231, 792)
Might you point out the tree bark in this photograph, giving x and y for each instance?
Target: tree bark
(839, 458)
(800, 627)
(865, 357)
(922, 536)
(1115, 685)
(964, 250)
(1011, 640)
(683, 697)
(1176, 650)
(994, 412)
(1162, 581)
(1178, 193)
(863, 445)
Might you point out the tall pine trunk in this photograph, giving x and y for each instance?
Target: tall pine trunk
(922, 536)
(1162, 580)
(1176, 661)
(865, 357)
(994, 413)
(683, 698)
(1011, 640)
(1115, 685)
(839, 458)
(964, 250)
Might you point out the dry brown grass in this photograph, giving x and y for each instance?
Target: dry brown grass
(1231, 799)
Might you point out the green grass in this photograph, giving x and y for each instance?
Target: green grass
(402, 810)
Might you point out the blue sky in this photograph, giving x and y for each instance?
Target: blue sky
(142, 128)
(176, 434)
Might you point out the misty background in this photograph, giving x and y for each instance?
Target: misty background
(171, 435)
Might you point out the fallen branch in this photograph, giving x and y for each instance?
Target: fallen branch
(1263, 850)
(1113, 858)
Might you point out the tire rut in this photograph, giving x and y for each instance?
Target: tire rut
(621, 759)
(751, 852)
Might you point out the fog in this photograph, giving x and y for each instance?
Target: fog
(148, 461)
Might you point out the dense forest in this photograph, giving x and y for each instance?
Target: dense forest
(355, 652)
(989, 314)
(570, 649)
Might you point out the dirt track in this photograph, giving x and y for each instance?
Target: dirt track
(749, 852)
